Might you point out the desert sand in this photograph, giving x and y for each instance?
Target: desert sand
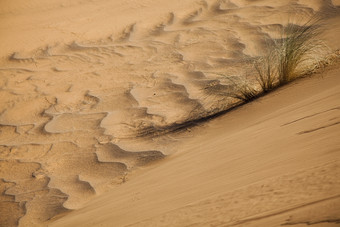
(101, 105)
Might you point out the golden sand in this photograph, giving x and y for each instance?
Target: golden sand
(88, 88)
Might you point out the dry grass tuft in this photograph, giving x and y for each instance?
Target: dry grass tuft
(243, 90)
(266, 72)
(296, 52)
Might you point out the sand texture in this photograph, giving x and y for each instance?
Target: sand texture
(96, 100)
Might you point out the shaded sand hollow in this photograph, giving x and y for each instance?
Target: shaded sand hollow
(88, 89)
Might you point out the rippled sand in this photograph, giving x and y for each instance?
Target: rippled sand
(91, 92)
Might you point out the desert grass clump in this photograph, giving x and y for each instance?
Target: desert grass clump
(243, 90)
(296, 49)
(296, 53)
(266, 72)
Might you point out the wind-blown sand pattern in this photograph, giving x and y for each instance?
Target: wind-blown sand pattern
(93, 91)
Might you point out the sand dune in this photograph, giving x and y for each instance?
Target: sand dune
(92, 93)
(278, 166)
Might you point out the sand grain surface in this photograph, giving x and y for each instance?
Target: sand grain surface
(92, 90)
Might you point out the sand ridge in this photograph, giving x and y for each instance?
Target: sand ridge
(241, 170)
(72, 105)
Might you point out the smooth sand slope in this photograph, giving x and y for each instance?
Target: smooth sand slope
(89, 88)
